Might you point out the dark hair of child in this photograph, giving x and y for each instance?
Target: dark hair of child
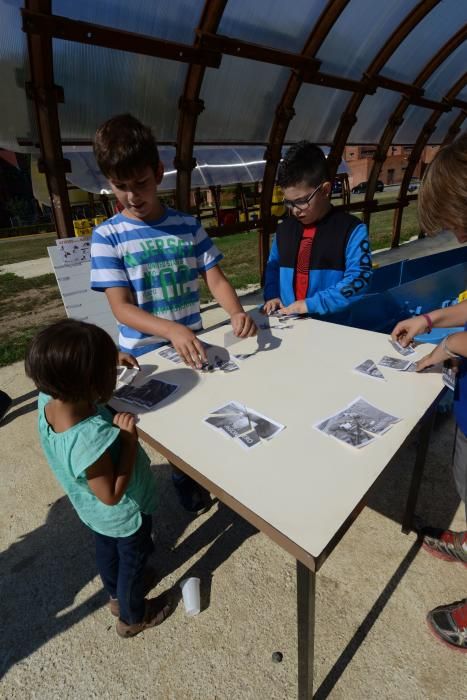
(73, 361)
(123, 147)
(305, 163)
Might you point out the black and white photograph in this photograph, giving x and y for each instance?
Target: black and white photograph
(372, 418)
(394, 363)
(169, 353)
(400, 349)
(216, 363)
(345, 427)
(243, 424)
(148, 395)
(449, 377)
(126, 375)
(369, 369)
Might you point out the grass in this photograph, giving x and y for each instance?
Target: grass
(20, 297)
(32, 247)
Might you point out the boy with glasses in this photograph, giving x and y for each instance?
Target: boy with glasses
(320, 259)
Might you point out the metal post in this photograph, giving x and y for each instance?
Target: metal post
(306, 590)
(422, 448)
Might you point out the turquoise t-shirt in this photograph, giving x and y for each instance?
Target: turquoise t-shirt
(70, 453)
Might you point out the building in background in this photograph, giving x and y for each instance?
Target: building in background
(360, 162)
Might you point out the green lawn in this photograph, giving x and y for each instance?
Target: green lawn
(23, 302)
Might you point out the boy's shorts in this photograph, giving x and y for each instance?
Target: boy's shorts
(459, 466)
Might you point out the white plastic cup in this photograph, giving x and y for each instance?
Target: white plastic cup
(191, 596)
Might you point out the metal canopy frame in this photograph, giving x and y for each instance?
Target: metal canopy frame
(41, 26)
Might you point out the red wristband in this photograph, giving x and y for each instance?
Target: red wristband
(429, 323)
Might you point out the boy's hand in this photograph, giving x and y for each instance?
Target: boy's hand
(188, 346)
(298, 307)
(127, 360)
(272, 305)
(406, 330)
(243, 325)
(127, 424)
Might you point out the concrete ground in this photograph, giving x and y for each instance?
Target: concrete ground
(58, 638)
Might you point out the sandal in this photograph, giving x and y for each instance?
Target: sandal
(448, 623)
(445, 544)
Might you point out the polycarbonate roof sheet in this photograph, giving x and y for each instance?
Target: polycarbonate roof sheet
(241, 97)
(173, 20)
(318, 110)
(426, 39)
(100, 83)
(359, 33)
(414, 119)
(216, 165)
(447, 75)
(278, 24)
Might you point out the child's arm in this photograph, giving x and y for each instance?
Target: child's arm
(182, 338)
(272, 300)
(221, 289)
(106, 481)
(456, 315)
(452, 346)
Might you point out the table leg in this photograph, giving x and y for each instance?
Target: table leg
(306, 589)
(423, 442)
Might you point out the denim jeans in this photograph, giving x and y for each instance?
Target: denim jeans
(121, 562)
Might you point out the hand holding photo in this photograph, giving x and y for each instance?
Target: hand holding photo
(400, 348)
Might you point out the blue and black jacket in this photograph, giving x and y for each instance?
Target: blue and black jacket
(340, 266)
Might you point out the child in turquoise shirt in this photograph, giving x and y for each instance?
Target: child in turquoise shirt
(98, 461)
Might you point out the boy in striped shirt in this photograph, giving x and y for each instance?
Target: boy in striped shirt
(147, 259)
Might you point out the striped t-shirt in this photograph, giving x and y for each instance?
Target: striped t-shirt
(159, 262)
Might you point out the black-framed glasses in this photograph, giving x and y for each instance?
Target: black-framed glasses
(302, 202)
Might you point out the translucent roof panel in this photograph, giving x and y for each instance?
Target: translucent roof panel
(373, 116)
(414, 119)
(359, 33)
(318, 110)
(426, 39)
(447, 74)
(281, 25)
(15, 119)
(216, 165)
(443, 125)
(240, 99)
(94, 78)
(166, 19)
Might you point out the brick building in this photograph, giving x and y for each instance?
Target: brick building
(360, 161)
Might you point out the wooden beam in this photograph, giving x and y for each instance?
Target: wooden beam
(191, 106)
(45, 93)
(48, 25)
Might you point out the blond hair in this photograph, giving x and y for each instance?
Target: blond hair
(442, 202)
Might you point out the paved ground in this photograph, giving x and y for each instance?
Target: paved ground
(58, 638)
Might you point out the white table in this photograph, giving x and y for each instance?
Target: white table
(302, 488)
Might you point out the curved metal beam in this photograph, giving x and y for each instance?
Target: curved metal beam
(283, 115)
(397, 117)
(191, 106)
(415, 155)
(349, 115)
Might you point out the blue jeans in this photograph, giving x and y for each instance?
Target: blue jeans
(121, 562)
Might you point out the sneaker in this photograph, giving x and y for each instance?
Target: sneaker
(5, 403)
(156, 611)
(448, 623)
(445, 544)
(150, 578)
(192, 497)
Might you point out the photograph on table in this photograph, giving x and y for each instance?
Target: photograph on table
(369, 369)
(243, 424)
(357, 423)
(394, 363)
(148, 395)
